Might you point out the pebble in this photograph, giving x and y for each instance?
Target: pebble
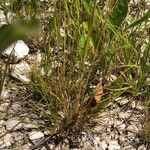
(135, 105)
(2, 17)
(18, 136)
(5, 94)
(142, 147)
(13, 124)
(124, 115)
(3, 107)
(7, 141)
(129, 147)
(113, 145)
(34, 135)
(123, 101)
(21, 71)
(96, 140)
(26, 147)
(104, 145)
(133, 128)
(28, 126)
(2, 122)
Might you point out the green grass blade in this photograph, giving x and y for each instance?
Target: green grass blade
(144, 18)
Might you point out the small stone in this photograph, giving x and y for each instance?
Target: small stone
(112, 134)
(18, 137)
(2, 130)
(108, 129)
(16, 106)
(142, 147)
(47, 132)
(96, 140)
(2, 122)
(27, 126)
(62, 32)
(107, 137)
(51, 146)
(13, 124)
(34, 135)
(17, 51)
(26, 147)
(130, 134)
(21, 71)
(133, 128)
(104, 145)
(123, 101)
(137, 106)
(88, 146)
(124, 115)
(119, 124)
(5, 94)
(112, 78)
(43, 148)
(113, 145)
(3, 107)
(129, 147)
(2, 18)
(6, 142)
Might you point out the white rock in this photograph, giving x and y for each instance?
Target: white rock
(124, 115)
(96, 140)
(2, 17)
(16, 106)
(34, 135)
(5, 94)
(17, 50)
(129, 147)
(6, 141)
(112, 78)
(123, 101)
(119, 124)
(51, 146)
(27, 126)
(137, 106)
(133, 128)
(107, 137)
(113, 145)
(26, 147)
(62, 32)
(2, 122)
(122, 138)
(142, 147)
(47, 132)
(88, 146)
(2, 130)
(3, 107)
(130, 135)
(104, 145)
(21, 71)
(13, 124)
(17, 136)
